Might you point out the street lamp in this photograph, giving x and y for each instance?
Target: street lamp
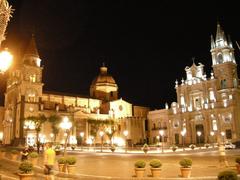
(212, 134)
(223, 134)
(199, 133)
(81, 135)
(158, 139)
(161, 132)
(183, 132)
(125, 133)
(101, 133)
(5, 60)
(51, 135)
(66, 126)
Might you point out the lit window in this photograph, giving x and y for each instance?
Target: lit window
(38, 62)
(176, 124)
(214, 125)
(211, 95)
(32, 78)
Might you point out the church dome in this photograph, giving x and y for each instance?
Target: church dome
(104, 86)
(103, 78)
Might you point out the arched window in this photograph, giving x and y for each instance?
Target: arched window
(220, 58)
(31, 95)
(223, 84)
(235, 84)
(33, 78)
(214, 125)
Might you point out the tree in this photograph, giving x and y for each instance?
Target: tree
(55, 120)
(38, 121)
(96, 125)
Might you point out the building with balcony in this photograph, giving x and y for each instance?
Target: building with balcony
(207, 108)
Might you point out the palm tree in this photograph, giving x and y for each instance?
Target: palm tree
(38, 121)
(55, 120)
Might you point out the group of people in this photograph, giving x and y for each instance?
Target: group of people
(49, 158)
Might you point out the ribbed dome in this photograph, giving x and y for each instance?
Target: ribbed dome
(103, 78)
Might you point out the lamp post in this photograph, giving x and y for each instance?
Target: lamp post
(101, 133)
(183, 132)
(66, 126)
(212, 134)
(158, 139)
(5, 60)
(81, 135)
(222, 134)
(125, 133)
(161, 132)
(199, 133)
(51, 135)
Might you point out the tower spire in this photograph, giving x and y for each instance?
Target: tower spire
(230, 41)
(212, 42)
(32, 48)
(31, 56)
(220, 37)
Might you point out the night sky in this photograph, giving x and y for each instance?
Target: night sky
(145, 46)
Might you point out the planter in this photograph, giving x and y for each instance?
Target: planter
(145, 150)
(155, 172)
(34, 161)
(25, 176)
(61, 167)
(186, 172)
(2, 154)
(71, 169)
(238, 168)
(174, 149)
(112, 149)
(140, 172)
(58, 152)
(14, 157)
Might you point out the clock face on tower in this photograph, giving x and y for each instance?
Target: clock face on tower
(120, 107)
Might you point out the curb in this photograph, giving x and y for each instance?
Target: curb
(39, 169)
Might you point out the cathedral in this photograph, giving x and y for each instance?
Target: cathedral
(207, 109)
(26, 101)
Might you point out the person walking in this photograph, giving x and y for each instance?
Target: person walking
(222, 156)
(49, 161)
(24, 154)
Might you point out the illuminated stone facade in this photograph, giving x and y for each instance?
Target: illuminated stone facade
(25, 98)
(209, 106)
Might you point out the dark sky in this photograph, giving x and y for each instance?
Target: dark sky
(145, 46)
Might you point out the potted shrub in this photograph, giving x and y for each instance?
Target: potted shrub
(14, 154)
(25, 168)
(237, 160)
(186, 167)
(140, 168)
(145, 148)
(207, 145)
(192, 146)
(61, 163)
(71, 167)
(155, 167)
(174, 148)
(73, 146)
(57, 149)
(112, 148)
(227, 174)
(2, 153)
(33, 158)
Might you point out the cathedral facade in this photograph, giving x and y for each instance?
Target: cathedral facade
(26, 99)
(207, 109)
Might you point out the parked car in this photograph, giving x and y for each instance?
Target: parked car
(229, 145)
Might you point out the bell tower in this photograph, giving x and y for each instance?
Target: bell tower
(223, 60)
(23, 92)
